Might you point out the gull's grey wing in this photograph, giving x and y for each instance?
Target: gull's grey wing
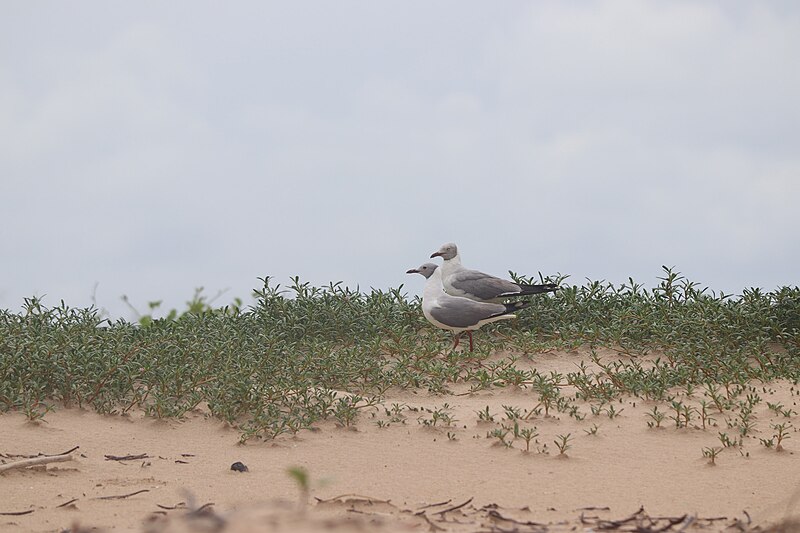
(482, 285)
(464, 313)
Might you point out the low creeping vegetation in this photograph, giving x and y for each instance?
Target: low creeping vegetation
(306, 354)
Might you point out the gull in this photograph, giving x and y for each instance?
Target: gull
(456, 313)
(460, 281)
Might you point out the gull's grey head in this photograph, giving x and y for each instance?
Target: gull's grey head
(447, 251)
(426, 270)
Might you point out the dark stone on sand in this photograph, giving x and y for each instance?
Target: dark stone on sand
(239, 467)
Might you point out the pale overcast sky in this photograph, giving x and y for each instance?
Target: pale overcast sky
(154, 147)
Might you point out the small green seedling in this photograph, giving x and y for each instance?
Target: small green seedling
(562, 443)
(484, 415)
(779, 409)
(438, 416)
(528, 434)
(727, 442)
(711, 454)
(656, 418)
(781, 435)
(705, 415)
(500, 434)
(511, 412)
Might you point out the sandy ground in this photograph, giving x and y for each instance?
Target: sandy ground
(402, 477)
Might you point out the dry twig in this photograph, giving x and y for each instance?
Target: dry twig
(428, 506)
(126, 457)
(179, 505)
(25, 463)
(122, 496)
(73, 500)
(459, 506)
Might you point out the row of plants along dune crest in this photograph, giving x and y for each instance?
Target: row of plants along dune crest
(281, 364)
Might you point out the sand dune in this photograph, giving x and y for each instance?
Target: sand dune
(392, 475)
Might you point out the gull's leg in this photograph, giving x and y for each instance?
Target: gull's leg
(457, 336)
(470, 340)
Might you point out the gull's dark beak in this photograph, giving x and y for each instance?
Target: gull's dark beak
(412, 271)
(436, 254)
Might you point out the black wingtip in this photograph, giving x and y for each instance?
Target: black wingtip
(512, 307)
(537, 289)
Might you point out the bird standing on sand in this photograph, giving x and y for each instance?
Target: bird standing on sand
(456, 313)
(460, 281)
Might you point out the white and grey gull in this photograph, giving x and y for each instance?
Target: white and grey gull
(456, 313)
(478, 286)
